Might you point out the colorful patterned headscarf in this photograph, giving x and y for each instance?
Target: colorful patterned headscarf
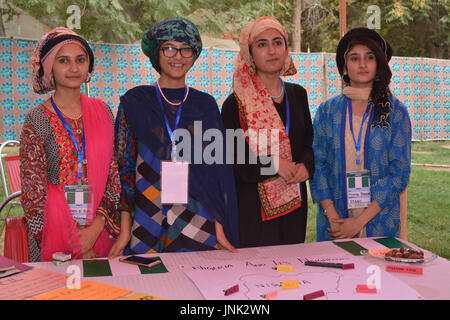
(253, 95)
(255, 98)
(45, 53)
(257, 112)
(173, 29)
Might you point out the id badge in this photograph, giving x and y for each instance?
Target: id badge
(77, 197)
(174, 182)
(358, 189)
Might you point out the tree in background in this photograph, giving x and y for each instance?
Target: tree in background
(413, 27)
(6, 13)
(419, 28)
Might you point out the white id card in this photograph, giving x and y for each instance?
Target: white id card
(358, 189)
(174, 182)
(77, 197)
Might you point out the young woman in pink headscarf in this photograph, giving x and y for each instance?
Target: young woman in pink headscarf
(70, 181)
(272, 207)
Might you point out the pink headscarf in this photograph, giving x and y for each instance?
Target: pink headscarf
(258, 112)
(42, 84)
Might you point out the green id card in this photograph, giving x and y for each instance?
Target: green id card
(77, 197)
(96, 268)
(391, 242)
(350, 246)
(358, 189)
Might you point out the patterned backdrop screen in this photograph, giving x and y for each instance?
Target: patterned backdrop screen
(422, 84)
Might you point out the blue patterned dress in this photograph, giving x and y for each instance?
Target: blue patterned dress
(387, 154)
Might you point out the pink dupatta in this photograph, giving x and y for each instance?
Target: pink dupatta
(60, 232)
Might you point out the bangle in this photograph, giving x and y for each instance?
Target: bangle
(328, 208)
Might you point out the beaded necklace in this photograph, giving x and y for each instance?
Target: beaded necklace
(167, 100)
(281, 93)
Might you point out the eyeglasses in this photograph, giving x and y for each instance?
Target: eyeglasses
(186, 52)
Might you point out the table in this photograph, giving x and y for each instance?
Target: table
(433, 284)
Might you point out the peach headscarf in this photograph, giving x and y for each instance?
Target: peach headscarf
(248, 36)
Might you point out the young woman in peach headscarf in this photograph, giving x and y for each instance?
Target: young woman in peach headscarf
(272, 205)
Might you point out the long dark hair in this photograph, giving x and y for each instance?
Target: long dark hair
(380, 93)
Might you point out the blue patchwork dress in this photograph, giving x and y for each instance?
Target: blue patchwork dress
(142, 143)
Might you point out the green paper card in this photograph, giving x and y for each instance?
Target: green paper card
(350, 246)
(391, 242)
(96, 268)
(159, 268)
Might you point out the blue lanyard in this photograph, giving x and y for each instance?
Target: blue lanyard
(80, 153)
(177, 119)
(357, 143)
(288, 110)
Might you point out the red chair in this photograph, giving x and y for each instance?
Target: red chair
(16, 237)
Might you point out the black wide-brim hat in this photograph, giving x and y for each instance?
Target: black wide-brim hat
(360, 34)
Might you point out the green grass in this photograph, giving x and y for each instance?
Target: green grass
(431, 152)
(429, 210)
(428, 201)
(429, 198)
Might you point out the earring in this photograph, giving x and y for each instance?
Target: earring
(88, 78)
(376, 78)
(51, 81)
(251, 70)
(345, 77)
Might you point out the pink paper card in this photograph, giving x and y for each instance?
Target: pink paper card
(5, 262)
(28, 284)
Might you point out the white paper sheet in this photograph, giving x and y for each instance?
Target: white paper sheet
(257, 278)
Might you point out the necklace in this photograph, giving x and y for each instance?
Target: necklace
(278, 96)
(70, 117)
(167, 100)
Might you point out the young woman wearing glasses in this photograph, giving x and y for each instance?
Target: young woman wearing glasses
(146, 125)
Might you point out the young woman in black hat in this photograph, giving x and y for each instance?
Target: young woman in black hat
(362, 145)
